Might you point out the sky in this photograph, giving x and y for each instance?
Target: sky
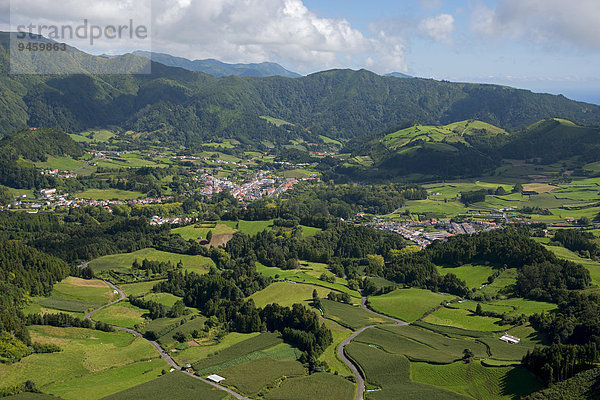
(544, 45)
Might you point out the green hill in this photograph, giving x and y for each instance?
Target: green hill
(184, 107)
(37, 144)
(553, 140)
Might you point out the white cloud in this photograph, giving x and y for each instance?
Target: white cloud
(259, 30)
(284, 31)
(574, 22)
(439, 28)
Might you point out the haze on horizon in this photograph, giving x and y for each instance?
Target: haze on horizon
(544, 45)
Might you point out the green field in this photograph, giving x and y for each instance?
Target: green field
(350, 316)
(463, 319)
(418, 344)
(388, 375)
(473, 275)
(513, 306)
(506, 279)
(139, 288)
(73, 295)
(109, 194)
(167, 339)
(252, 376)
(166, 299)
(173, 386)
(308, 273)
(199, 231)
(407, 304)
(121, 314)
(286, 294)
(122, 262)
(60, 163)
(319, 386)
(592, 266)
(91, 365)
(477, 381)
(339, 334)
(249, 349)
(194, 353)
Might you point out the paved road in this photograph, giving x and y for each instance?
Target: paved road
(165, 356)
(360, 382)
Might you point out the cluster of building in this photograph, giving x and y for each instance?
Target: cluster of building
(415, 231)
(51, 198)
(156, 220)
(262, 184)
(60, 174)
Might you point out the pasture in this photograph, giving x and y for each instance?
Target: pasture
(194, 353)
(75, 295)
(389, 374)
(350, 316)
(109, 194)
(418, 344)
(463, 319)
(138, 288)
(174, 386)
(477, 381)
(339, 334)
(121, 314)
(286, 294)
(92, 364)
(122, 262)
(249, 349)
(473, 275)
(252, 376)
(308, 273)
(408, 304)
(319, 386)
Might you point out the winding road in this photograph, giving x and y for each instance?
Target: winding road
(165, 356)
(360, 382)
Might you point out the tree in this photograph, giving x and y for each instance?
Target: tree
(478, 310)
(500, 191)
(468, 355)
(518, 188)
(209, 236)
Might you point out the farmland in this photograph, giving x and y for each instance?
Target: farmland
(251, 377)
(318, 386)
(74, 295)
(121, 314)
(350, 316)
(175, 385)
(407, 304)
(123, 262)
(92, 364)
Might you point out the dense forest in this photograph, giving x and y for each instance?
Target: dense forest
(185, 107)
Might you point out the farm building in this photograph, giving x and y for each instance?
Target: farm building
(510, 339)
(215, 378)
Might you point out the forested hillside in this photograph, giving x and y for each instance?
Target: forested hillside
(183, 106)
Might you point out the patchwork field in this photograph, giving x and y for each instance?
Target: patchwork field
(350, 316)
(319, 386)
(175, 386)
(73, 295)
(122, 262)
(91, 365)
(464, 319)
(407, 304)
(477, 381)
(121, 314)
(308, 273)
(473, 275)
(252, 376)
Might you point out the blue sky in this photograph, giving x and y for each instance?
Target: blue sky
(549, 57)
(544, 45)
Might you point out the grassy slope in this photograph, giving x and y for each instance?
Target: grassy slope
(198, 264)
(174, 386)
(91, 365)
(407, 304)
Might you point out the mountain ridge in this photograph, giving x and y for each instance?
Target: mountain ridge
(218, 68)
